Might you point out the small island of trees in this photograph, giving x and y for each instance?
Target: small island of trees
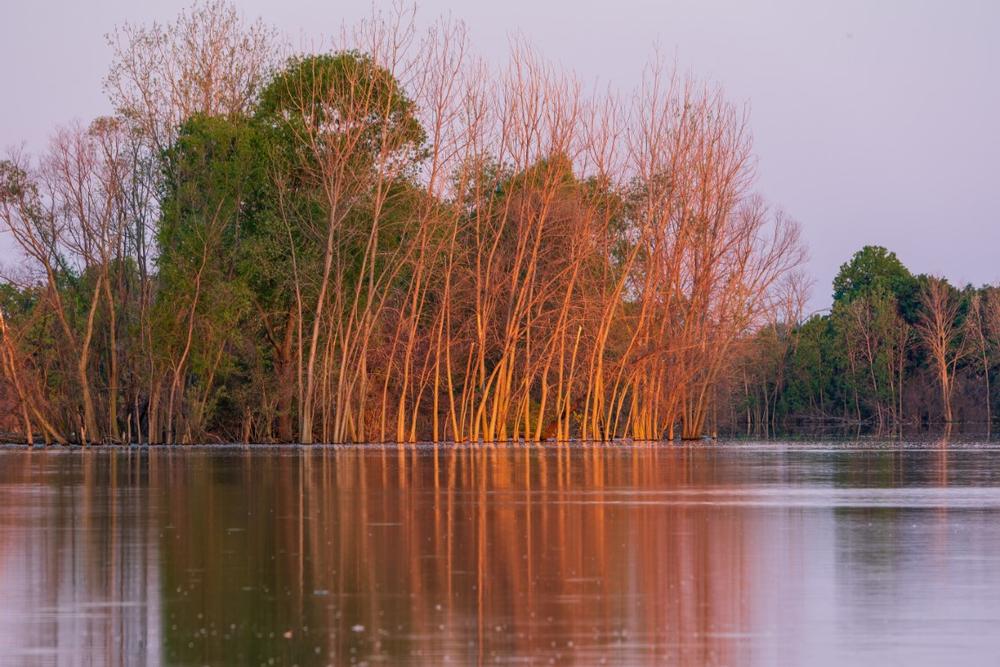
(390, 241)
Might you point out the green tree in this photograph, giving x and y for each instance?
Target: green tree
(873, 268)
(214, 171)
(355, 140)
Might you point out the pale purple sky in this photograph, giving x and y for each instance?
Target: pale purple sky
(875, 121)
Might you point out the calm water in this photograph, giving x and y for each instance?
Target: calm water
(760, 554)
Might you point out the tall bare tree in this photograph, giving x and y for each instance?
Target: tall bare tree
(943, 336)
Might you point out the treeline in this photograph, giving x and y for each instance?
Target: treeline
(386, 241)
(895, 350)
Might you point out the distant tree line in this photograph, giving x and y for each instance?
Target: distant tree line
(895, 349)
(391, 241)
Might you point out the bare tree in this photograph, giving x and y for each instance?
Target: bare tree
(943, 336)
(978, 336)
(65, 214)
(209, 61)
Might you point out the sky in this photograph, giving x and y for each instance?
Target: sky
(874, 121)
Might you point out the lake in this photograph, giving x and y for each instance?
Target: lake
(743, 553)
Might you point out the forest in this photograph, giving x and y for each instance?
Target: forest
(391, 240)
(896, 350)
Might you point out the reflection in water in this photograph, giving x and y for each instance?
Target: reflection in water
(79, 561)
(640, 554)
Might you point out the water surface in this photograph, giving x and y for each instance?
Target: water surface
(732, 554)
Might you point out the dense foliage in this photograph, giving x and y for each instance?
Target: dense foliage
(895, 349)
(389, 242)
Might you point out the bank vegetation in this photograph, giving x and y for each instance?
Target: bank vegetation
(385, 240)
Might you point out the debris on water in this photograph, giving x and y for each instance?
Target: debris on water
(288, 634)
(358, 628)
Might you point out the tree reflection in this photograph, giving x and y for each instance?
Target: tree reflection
(638, 553)
(464, 553)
